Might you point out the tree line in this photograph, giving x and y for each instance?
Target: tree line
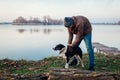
(46, 20)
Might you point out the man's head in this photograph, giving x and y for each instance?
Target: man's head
(68, 21)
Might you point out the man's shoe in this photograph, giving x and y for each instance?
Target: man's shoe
(91, 68)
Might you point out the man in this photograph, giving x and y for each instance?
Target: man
(81, 27)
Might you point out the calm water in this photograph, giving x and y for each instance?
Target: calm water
(36, 42)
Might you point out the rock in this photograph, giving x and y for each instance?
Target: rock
(24, 77)
(75, 74)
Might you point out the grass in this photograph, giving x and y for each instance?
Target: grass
(102, 63)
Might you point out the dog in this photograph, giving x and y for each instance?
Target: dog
(63, 50)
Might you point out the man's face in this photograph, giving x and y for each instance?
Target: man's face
(69, 26)
(68, 22)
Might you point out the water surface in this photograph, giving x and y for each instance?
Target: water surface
(34, 42)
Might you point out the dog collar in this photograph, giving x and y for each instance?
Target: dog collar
(61, 50)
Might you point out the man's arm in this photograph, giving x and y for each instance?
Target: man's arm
(70, 37)
(79, 36)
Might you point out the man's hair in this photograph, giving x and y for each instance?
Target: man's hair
(68, 21)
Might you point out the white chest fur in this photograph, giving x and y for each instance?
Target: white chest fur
(63, 51)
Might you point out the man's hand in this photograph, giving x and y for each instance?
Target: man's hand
(69, 48)
(69, 44)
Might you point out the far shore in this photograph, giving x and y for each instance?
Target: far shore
(10, 23)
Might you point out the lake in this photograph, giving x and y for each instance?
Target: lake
(35, 42)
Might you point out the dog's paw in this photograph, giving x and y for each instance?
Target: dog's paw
(82, 65)
(67, 65)
(78, 63)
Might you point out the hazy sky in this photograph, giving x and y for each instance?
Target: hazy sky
(95, 10)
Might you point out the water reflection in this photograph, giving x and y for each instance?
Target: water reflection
(36, 42)
(45, 30)
(21, 30)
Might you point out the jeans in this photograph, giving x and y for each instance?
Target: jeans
(88, 43)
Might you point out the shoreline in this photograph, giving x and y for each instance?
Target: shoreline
(25, 68)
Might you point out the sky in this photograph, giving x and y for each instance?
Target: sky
(94, 10)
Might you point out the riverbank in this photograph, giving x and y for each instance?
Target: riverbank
(25, 69)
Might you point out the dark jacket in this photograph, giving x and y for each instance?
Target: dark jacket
(81, 28)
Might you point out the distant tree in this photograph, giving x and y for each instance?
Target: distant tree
(118, 22)
(36, 20)
(20, 19)
(44, 20)
(30, 20)
(47, 20)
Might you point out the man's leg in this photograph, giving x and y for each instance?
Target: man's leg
(88, 43)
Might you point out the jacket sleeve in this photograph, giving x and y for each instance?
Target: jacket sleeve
(79, 36)
(70, 37)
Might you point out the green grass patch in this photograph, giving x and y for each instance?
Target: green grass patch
(102, 63)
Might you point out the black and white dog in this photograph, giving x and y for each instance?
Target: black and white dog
(63, 50)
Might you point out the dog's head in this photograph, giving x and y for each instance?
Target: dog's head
(58, 47)
(62, 50)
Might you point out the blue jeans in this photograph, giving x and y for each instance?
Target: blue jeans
(88, 43)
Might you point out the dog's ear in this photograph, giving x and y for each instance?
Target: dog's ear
(58, 47)
(61, 45)
(55, 48)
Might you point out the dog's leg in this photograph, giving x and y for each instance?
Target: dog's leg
(82, 62)
(65, 58)
(79, 59)
(67, 64)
